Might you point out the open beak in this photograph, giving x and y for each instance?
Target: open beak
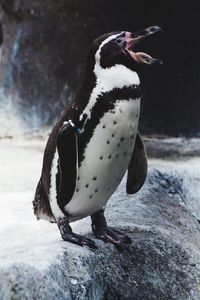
(133, 39)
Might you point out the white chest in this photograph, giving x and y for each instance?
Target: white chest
(107, 156)
(108, 79)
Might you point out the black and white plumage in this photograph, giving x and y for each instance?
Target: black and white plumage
(96, 140)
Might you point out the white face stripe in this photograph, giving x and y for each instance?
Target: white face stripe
(107, 79)
(106, 41)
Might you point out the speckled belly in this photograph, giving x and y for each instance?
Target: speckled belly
(107, 157)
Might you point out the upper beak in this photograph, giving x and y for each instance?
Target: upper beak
(142, 34)
(134, 38)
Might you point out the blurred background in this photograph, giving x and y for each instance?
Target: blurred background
(45, 44)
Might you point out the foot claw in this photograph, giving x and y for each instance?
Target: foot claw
(123, 237)
(88, 242)
(115, 237)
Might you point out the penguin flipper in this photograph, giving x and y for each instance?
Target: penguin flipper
(68, 159)
(137, 169)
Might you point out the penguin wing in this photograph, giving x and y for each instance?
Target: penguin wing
(68, 158)
(137, 169)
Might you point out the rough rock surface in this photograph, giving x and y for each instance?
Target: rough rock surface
(172, 148)
(46, 43)
(163, 261)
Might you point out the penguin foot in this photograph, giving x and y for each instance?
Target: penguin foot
(108, 234)
(68, 235)
(79, 240)
(113, 236)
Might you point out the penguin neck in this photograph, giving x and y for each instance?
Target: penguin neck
(106, 80)
(117, 76)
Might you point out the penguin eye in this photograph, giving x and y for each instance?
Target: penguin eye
(121, 42)
(118, 41)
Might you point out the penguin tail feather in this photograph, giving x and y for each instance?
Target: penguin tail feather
(41, 206)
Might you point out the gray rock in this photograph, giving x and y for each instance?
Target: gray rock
(172, 148)
(163, 261)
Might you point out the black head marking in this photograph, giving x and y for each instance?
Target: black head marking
(119, 48)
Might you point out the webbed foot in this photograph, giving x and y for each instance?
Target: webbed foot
(68, 235)
(108, 234)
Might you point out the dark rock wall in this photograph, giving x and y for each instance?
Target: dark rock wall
(46, 43)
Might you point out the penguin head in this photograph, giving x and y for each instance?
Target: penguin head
(118, 48)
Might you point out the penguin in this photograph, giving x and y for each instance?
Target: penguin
(96, 141)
